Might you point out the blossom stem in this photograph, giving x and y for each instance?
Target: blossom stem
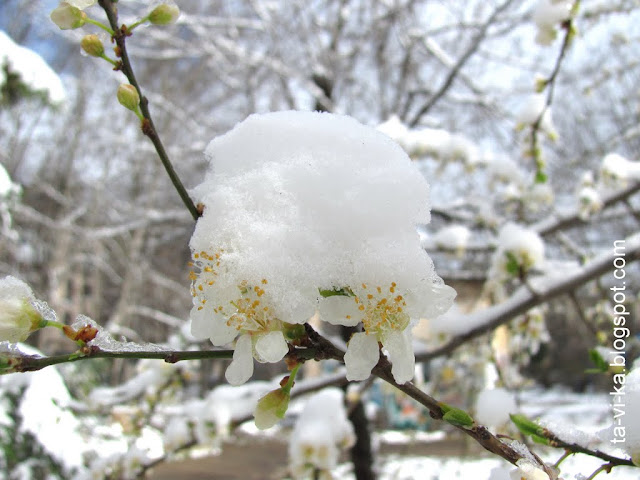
(110, 60)
(137, 24)
(100, 25)
(292, 376)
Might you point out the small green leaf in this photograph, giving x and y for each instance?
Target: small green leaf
(598, 361)
(541, 177)
(458, 418)
(343, 292)
(540, 440)
(512, 266)
(526, 426)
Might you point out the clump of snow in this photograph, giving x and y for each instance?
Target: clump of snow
(616, 169)
(518, 248)
(301, 201)
(528, 470)
(105, 341)
(32, 69)
(7, 187)
(493, 407)
(632, 433)
(547, 15)
(45, 412)
(569, 433)
(533, 108)
(438, 143)
(453, 237)
(589, 198)
(320, 434)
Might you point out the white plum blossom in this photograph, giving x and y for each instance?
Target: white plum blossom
(67, 16)
(299, 206)
(81, 4)
(519, 250)
(321, 432)
(18, 316)
(547, 15)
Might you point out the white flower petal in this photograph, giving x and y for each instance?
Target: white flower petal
(271, 347)
(403, 361)
(241, 367)
(339, 310)
(362, 355)
(81, 4)
(205, 323)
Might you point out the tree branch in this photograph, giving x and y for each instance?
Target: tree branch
(547, 287)
(148, 128)
(453, 73)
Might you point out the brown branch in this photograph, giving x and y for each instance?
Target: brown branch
(455, 70)
(148, 128)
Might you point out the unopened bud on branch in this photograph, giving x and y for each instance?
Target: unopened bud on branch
(68, 17)
(128, 96)
(92, 45)
(164, 14)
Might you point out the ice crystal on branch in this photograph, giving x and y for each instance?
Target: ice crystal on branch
(298, 203)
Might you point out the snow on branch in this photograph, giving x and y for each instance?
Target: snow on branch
(539, 290)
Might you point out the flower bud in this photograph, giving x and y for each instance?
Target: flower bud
(164, 14)
(18, 317)
(271, 408)
(68, 17)
(128, 96)
(92, 45)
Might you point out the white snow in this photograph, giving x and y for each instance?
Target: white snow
(438, 143)
(533, 108)
(493, 407)
(31, 67)
(616, 168)
(44, 409)
(321, 432)
(453, 237)
(301, 201)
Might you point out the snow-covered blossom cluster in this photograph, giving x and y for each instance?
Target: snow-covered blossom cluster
(618, 170)
(453, 237)
(438, 143)
(535, 109)
(519, 250)
(548, 15)
(307, 212)
(321, 433)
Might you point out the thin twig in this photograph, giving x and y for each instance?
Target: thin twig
(148, 128)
